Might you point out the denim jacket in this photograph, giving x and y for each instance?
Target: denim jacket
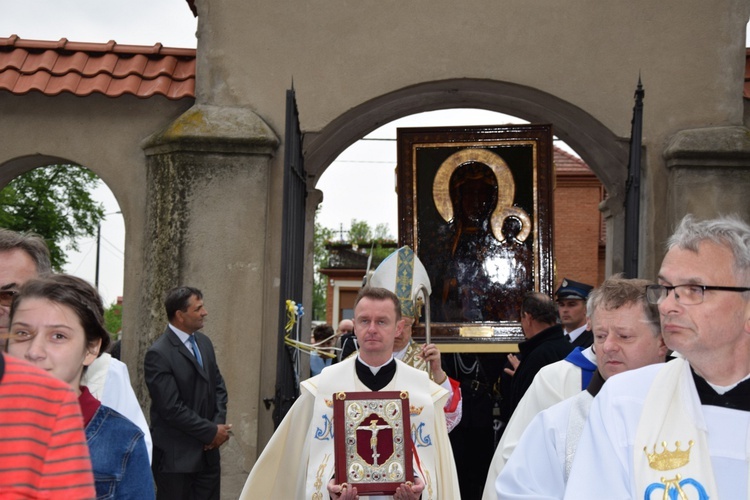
(118, 457)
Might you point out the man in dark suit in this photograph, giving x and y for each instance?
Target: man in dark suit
(545, 342)
(188, 402)
(571, 306)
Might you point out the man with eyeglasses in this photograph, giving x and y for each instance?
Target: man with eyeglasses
(22, 257)
(681, 430)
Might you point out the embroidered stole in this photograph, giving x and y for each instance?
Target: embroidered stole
(411, 358)
(342, 377)
(579, 414)
(670, 451)
(577, 358)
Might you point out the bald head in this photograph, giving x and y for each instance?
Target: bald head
(345, 326)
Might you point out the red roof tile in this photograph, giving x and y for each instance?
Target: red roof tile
(87, 68)
(568, 163)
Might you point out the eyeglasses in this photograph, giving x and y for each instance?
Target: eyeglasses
(687, 295)
(6, 297)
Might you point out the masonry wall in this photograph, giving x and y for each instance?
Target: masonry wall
(577, 230)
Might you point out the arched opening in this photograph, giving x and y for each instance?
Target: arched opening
(360, 185)
(74, 209)
(598, 147)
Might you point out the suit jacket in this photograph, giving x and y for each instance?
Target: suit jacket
(584, 340)
(544, 348)
(187, 403)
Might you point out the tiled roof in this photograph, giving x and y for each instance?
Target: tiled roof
(567, 163)
(747, 74)
(87, 68)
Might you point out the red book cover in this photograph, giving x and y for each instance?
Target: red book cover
(372, 441)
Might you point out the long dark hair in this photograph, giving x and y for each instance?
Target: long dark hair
(75, 293)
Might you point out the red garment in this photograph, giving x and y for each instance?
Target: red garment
(456, 390)
(89, 405)
(43, 450)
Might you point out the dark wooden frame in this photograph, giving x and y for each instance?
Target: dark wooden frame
(537, 139)
(340, 423)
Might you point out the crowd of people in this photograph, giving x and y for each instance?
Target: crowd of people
(623, 390)
(72, 425)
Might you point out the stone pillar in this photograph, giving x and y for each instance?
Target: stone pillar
(207, 226)
(709, 173)
(613, 210)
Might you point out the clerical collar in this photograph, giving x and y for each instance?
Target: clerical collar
(375, 378)
(374, 369)
(737, 398)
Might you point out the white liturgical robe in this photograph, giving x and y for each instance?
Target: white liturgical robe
(298, 462)
(554, 383)
(605, 463)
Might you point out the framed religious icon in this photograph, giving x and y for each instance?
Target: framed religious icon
(372, 441)
(475, 205)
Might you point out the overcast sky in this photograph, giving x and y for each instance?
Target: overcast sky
(130, 22)
(359, 185)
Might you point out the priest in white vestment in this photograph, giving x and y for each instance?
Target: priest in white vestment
(554, 383)
(627, 336)
(682, 429)
(298, 462)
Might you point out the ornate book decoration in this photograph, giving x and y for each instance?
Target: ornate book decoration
(372, 441)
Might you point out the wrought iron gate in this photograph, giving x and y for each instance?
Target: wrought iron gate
(292, 255)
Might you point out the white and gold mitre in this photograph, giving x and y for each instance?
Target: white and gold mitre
(403, 274)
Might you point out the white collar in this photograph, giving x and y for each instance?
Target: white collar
(576, 333)
(374, 369)
(184, 337)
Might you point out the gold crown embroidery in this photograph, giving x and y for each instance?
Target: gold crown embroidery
(668, 460)
(415, 410)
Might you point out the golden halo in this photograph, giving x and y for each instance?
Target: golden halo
(506, 190)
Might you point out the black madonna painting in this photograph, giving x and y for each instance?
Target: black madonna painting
(475, 205)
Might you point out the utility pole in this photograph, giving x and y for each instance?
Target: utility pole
(99, 246)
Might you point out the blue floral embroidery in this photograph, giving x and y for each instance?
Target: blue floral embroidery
(420, 440)
(673, 489)
(326, 433)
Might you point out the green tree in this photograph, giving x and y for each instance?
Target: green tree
(55, 202)
(321, 236)
(359, 232)
(382, 233)
(113, 320)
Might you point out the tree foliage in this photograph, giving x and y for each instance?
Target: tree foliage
(359, 232)
(361, 235)
(55, 202)
(321, 236)
(113, 320)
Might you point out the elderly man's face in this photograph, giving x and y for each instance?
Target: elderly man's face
(402, 340)
(716, 330)
(16, 268)
(346, 326)
(624, 340)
